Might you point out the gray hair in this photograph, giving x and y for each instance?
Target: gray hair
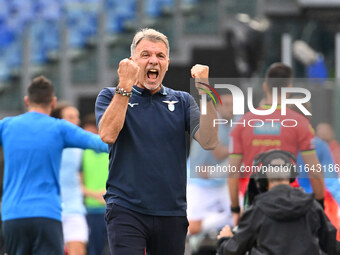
(151, 35)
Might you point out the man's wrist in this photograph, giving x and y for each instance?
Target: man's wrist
(123, 92)
(126, 85)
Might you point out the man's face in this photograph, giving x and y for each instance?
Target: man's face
(153, 61)
(71, 114)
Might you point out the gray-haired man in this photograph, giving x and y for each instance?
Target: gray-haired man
(145, 123)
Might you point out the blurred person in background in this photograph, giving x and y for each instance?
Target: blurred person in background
(73, 210)
(95, 170)
(248, 141)
(33, 143)
(145, 125)
(282, 220)
(325, 132)
(208, 205)
(332, 185)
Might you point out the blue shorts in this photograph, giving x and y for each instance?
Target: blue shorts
(133, 233)
(38, 236)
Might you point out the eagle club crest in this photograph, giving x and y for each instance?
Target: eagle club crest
(171, 105)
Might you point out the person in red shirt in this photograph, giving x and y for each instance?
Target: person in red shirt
(254, 134)
(325, 132)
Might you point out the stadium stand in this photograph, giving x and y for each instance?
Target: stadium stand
(98, 33)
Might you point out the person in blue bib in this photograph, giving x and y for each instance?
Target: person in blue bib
(33, 143)
(145, 125)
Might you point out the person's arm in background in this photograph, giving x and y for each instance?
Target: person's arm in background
(76, 137)
(235, 162)
(206, 135)
(112, 121)
(316, 177)
(305, 138)
(98, 195)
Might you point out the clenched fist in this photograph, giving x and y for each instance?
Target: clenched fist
(200, 71)
(128, 74)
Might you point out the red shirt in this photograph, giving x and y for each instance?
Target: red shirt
(291, 132)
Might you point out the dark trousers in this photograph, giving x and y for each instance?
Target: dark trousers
(33, 236)
(130, 232)
(98, 233)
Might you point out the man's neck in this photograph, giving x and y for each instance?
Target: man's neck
(44, 110)
(269, 99)
(150, 90)
(273, 184)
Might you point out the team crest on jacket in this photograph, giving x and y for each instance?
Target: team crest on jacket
(171, 105)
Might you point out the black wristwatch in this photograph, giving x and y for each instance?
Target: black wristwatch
(235, 209)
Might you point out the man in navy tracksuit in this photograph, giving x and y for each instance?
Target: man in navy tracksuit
(144, 124)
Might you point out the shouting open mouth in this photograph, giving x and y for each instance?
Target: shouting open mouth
(152, 75)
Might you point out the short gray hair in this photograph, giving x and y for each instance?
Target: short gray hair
(151, 35)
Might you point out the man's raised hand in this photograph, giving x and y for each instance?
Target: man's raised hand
(128, 74)
(200, 71)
